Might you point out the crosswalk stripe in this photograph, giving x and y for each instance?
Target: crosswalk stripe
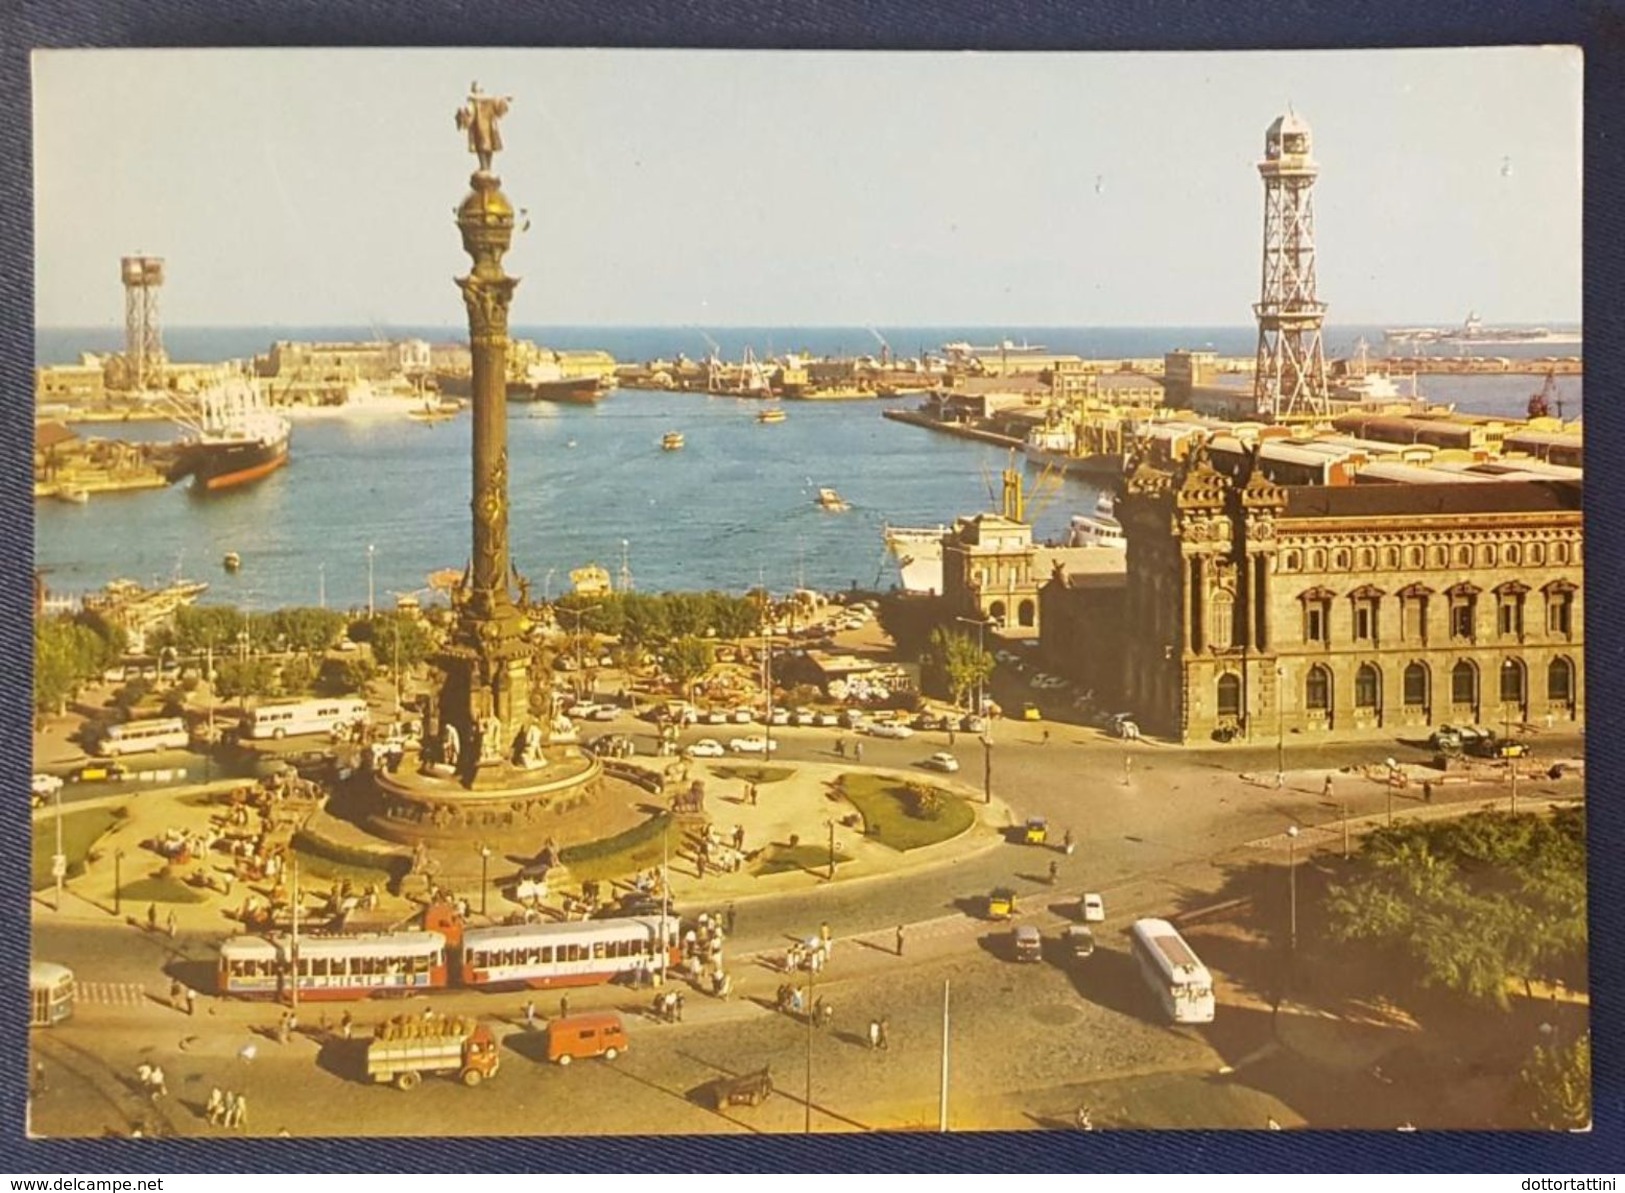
(112, 993)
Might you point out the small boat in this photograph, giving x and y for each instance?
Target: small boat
(773, 415)
(829, 499)
(232, 561)
(671, 441)
(73, 495)
(436, 410)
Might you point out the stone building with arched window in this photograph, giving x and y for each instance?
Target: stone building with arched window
(1308, 612)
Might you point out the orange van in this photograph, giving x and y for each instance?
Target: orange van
(599, 1034)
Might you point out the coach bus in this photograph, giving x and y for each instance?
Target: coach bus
(50, 993)
(1178, 978)
(143, 737)
(294, 717)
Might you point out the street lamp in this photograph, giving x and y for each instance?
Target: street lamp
(1292, 887)
(485, 871)
(118, 882)
(59, 860)
(1393, 774)
(370, 550)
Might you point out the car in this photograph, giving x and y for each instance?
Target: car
(754, 744)
(1077, 942)
(1448, 739)
(563, 663)
(944, 762)
(1092, 908)
(716, 716)
(742, 716)
(1038, 680)
(780, 716)
(1005, 657)
(706, 747)
(972, 724)
(1030, 712)
(1491, 745)
(602, 712)
(828, 720)
(101, 772)
(852, 718)
(803, 716)
(43, 787)
(892, 729)
(1027, 943)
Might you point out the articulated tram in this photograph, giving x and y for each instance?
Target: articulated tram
(446, 955)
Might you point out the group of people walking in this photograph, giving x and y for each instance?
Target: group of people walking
(226, 1109)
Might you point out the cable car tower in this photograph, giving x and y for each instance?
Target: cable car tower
(1290, 382)
(143, 341)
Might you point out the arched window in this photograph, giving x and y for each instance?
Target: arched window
(1514, 553)
(1390, 558)
(1222, 621)
(1416, 685)
(1026, 613)
(1291, 561)
(1512, 677)
(1340, 560)
(1317, 689)
(1537, 553)
(1464, 556)
(1464, 683)
(1560, 681)
(1365, 559)
(1367, 687)
(1229, 695)
(1413, 557)
(997, 612)
(1438, 557)
(1317, 559)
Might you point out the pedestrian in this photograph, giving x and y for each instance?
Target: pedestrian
(159, 1087)
(1054, 869)
(1272, 1124)
(169, 925)
(152, 917)
(753, 795)
(1326, 789)
(191, 1001)
(1046, 736)
(215, 1106)
(728, 917)
(899, 940)
(1280, 780)
(1067, 843)
(1086, 1121)
(840, 747)
(347, 1025)
(874, 1034)
(564, 1006)
(885, 1038)
(240, 1112)
(282, 1030)
(175, 991)
(857, 751)
(1128, 768)
(950, 737)
(530, 1014)
(39, 1078)
(826, 1016)
(678, 1005)
(739, 836)
(824, 936)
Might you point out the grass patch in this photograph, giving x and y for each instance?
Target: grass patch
(883, 803)
(760, 775)
(156, 889)
(328, 859)
(80, 831)
(314, 865)
(782, 859)
(638, 848)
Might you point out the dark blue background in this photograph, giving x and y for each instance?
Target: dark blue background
(887, 24)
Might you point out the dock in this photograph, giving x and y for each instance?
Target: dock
(920, 419)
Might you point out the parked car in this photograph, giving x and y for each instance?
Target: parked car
(971, 723)
(613, 745)
(944, 762)
(1027, 943)
(602, 712)
(101, 772)
(1123, 725)
(1078, 942)
(1492, 745)
(1449, 739)
(754, 744)
(828, 720)
(715, 716)
(892, 729)
(780, 716)
(581, 709)
(852, 718)
(1031, 712)
(803, 716)
(706, 747)
(43, 787)
(1092, 908)
(742, 716)
(582, 1036)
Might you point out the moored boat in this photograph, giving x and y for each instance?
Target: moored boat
(671, 441)
(829, 499)
(73, 495)
(234, 439)
(918, 550)
(772, 415)
(232, 561)
(1099, 529)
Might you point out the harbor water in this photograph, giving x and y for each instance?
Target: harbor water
(734, 508)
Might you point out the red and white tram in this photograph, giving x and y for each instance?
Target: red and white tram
(334, 966)
(581, 953)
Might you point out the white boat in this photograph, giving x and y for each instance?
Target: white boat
(918, 551)
(772, 415)
(829, 499)
(1361, 384)
(73, 495)
(671, 441)
(1099, 529)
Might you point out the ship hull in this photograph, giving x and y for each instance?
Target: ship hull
(919, 558)
(216, 467)
(1103, 464)
(572, 391)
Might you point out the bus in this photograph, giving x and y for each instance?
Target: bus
(144, 737)
(50, 993)
(334, 967)
(574, 953)
(1178, 978)
(295, 717)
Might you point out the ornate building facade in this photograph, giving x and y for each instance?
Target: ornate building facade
(1380, 610)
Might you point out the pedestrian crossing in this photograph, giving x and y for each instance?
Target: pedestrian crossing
(118, 994)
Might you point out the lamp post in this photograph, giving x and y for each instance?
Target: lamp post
(118, 882)
(1345, 830)
(1280, 731)
(370, 550)
(1292, 887)
(485, 873)
(547, 585)
(987, 764)
(1393, 771)
(812, 983)
(59, 860)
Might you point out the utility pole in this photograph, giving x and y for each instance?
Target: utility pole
(59, 860)
(1292, 887)
(369, 582)
(293, 949)
(1345, 830)
(987, 764)
(812, 982)
(831, 824)
(942, 1095)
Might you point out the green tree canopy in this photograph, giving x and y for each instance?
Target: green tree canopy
(961, 665)
(1473, 903)
(395, 635)
(69, 652)
(688, 659)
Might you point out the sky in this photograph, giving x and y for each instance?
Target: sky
(718, 188)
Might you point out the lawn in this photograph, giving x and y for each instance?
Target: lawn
(760, 775)
(781, 859)
(157, 889)
(80, 831)
(886, 819)
(638, 848)
(314, 865)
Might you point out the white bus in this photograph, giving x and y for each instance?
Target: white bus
(304, 716)
(143, 737)
(1179, 979)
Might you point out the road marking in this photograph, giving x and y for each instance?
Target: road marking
(123, 994)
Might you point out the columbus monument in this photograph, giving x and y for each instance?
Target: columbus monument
(487, 765)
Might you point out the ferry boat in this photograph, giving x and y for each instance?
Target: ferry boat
(1099, 529)
(774, 415)
(829, 499)
(234, 439)
(671, 441)
(918, 551)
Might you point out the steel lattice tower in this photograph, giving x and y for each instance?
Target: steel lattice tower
(1291, 377)
(143, 341)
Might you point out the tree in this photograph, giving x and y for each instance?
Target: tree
(68, 653)
(240, 679)
(688, 659)
(962, 664)
(342, 677)
(395, 637)
(1557, 1082)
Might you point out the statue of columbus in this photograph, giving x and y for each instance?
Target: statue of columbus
(480, 118)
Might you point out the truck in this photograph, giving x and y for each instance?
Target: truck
(404, 1050)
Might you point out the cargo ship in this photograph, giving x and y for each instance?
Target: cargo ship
(233, 439)
(918, 551)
